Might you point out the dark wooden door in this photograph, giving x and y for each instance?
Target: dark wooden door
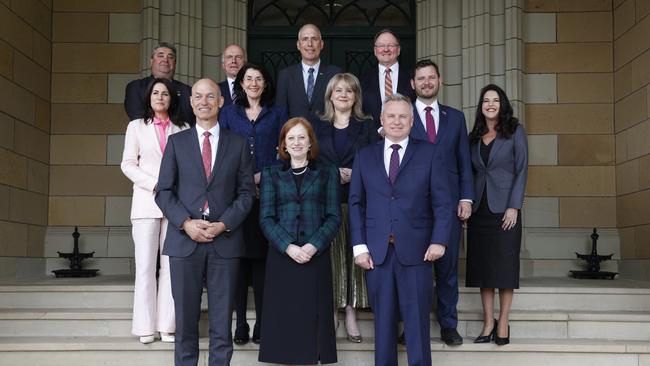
(348, 29)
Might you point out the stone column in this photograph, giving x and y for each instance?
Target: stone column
(224, 23)
(178, 22)
(474, 42)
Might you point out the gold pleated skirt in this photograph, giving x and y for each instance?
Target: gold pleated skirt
(348, 279)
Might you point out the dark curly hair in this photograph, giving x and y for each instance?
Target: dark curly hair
(507, 123)
(173, 104)
(238, 91)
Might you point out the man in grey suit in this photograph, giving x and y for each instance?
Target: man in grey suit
(306, 101)
(205, 189)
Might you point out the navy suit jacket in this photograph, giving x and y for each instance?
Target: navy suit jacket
(292, 96)
(504, 177)
(372, 96)
(360, 134)
(416, 209)
(225, 93)
(134, 99)
(452, 142)
(183, 188)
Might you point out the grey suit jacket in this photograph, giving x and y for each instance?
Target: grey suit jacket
(183, 188)
(504, 177)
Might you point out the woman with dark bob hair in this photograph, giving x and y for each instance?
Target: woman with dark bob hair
(499, 154)
(253, 117)
(144, 144)
(300, 214)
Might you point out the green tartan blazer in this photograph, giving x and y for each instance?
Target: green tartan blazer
(312, 215)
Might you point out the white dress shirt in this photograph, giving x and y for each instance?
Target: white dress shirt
(394, 76)
(388, 151)
(214, 144)
(305, 72)
(419, 107)
(231, 87)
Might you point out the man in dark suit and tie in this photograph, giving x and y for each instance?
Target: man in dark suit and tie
(163, 65)
(232, 60)
(205, 189)
(387, 77)
(301, 87)
(400, 212)
(445, 127)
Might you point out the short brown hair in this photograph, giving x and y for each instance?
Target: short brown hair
(282, 145)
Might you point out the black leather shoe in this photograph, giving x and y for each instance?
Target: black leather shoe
(241, 334)
(256, 333)
(490, 336)
(451, 337)
(502, 341)
(401, 339)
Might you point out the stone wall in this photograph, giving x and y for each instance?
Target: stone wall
(569, 116)
(631, 55)
(25, 65)
(95, 52)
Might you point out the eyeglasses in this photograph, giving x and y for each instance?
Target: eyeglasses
(387, 45)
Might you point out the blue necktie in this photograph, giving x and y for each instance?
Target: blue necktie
(310, 84)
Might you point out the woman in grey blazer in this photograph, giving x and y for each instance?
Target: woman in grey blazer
(499, 154)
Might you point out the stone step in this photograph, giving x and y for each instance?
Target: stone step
(53, 351)
(524, 324)
(536, 294)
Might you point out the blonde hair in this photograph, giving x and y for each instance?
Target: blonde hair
(353, 83)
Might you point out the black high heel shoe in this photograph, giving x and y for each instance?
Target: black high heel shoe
(502, 341)
(490, 336)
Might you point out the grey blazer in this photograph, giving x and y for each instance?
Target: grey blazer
(504, 177)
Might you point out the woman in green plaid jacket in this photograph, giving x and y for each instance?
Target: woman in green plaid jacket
(300, 215)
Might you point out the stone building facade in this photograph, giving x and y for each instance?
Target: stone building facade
(578, 72)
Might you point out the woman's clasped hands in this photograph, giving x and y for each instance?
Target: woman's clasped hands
(302, 254)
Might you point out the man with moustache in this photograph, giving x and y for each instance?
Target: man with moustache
(301, 87)
(163, 65)
(387, 77)
(445, 127)
(205, 189)
(400, 211)
(232, 60)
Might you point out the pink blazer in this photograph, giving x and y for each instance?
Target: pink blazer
(141, 164)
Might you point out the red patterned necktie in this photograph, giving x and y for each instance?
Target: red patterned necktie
(393, 167)
(206, 154)
(431, 124)
(388, 84)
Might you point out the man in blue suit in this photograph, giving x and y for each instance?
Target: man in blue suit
(445, 127)
(205, 189)
(400, 212)
(301, 87)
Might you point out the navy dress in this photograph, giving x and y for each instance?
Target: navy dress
(492, 253)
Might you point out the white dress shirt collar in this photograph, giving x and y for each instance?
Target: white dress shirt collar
(305, 72)
(394, 76)
(231, 86)
(388, 151)
(419, 108)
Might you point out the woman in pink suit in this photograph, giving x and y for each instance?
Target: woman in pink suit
(144, 144)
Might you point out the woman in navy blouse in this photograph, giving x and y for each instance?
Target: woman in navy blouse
(253, 116)
(344, 130)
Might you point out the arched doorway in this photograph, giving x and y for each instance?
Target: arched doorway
(347, 26)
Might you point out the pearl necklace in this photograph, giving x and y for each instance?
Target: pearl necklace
(300, 173)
